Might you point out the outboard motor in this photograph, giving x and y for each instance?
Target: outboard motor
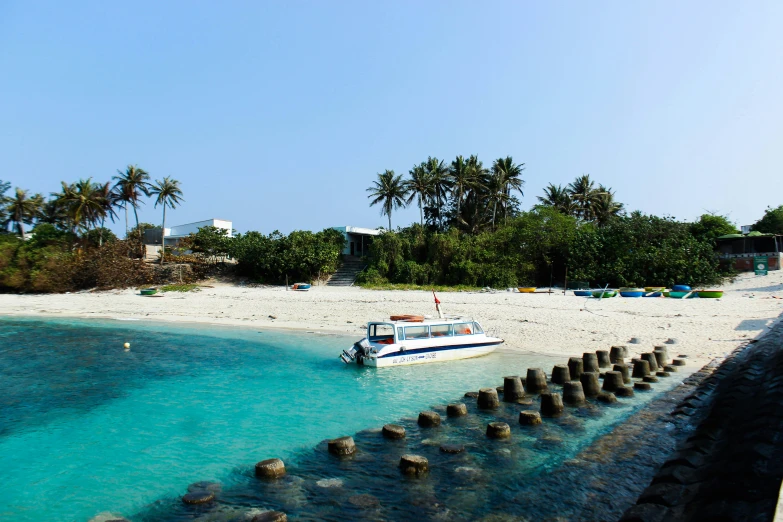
(359, 349)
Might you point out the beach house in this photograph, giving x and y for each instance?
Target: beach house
(740, 250)
(357, 240)
(152, 236)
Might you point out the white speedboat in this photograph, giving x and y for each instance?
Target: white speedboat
(412, 339)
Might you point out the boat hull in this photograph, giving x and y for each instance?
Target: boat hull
(431, 355)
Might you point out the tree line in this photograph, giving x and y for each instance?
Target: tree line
(471, 197)
(83, 207)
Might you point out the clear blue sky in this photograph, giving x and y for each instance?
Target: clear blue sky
(278, 115)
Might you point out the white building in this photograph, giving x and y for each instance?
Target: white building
(357, 240)
(152, 240)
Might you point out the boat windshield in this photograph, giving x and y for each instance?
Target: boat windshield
(477, 328)
(380, 333)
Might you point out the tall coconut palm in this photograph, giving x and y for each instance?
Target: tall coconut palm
(22, 209)
(85, 204)
(558, 197)
(390, 191)
(129, 187)
(108, 200)
(583, 193)
(441, 184)
(419, 186)
(4, 200)
(496, 192)
(605, 207)
(466, 175)
(168, 194)
(510, 175)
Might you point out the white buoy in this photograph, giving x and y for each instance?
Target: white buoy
(127, 346)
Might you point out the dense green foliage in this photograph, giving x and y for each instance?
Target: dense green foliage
(711, 226)
(301, 256)
(771, 222)
(535, 248)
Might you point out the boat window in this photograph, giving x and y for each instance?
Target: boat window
(441, 330)
(463, 328)
(381, 333)
(477, 328)
(416, 332)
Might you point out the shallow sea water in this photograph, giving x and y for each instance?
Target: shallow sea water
(87, 428)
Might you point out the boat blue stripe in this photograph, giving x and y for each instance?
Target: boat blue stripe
(437, 349)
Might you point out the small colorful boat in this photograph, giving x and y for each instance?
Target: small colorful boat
(654, 294)
(604, 293)
(682, 295)
(710, 294)
(301, 286)
(631, 292)
(527, 289)
(149, 291)
(583, 293)
(681, 288)
(654, 288)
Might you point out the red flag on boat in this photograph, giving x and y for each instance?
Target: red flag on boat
(437, 301)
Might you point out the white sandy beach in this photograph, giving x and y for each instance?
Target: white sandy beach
(542, 323)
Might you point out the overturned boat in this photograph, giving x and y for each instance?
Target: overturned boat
(410, 339)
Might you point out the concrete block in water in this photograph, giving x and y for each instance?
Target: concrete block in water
(661, 355)
(603, 358)
(576, 367)
(612, 381)
(551, 404)
(669, 368)
(488, 399)
(342, 446)
(393, 431)
(662, 374)
(270, 516)
(606, 397)
(270, 468)
(512, 389)
(536, 381)
(573, 393)
(650, 378)
(617, 354)
(624, 391)
(590, 384)
(642, 386)
(625, 370)
(590, 360)
(561, 374)
(641, 369)
(456, 410)
(529, 418)
(678, 362)
(414, 465)
(498, 430)
(198, 497)
(431, 419)
(650, 358)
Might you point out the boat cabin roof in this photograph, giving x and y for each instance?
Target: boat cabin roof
(425, 321)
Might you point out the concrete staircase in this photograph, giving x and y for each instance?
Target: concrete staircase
(346, 274)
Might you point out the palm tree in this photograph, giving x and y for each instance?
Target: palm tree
(496, 186)
(465, 176)
(419, 186)
(583, 193)
(441, 183)
(390, 191)
(605, 207)
(129, 187)
(510, 176)
(85, 204)
(558, 197)
(22, 210)
(4, 200)
(107, 198)
(169, 195)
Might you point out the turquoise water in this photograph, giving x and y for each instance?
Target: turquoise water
(86, 427)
